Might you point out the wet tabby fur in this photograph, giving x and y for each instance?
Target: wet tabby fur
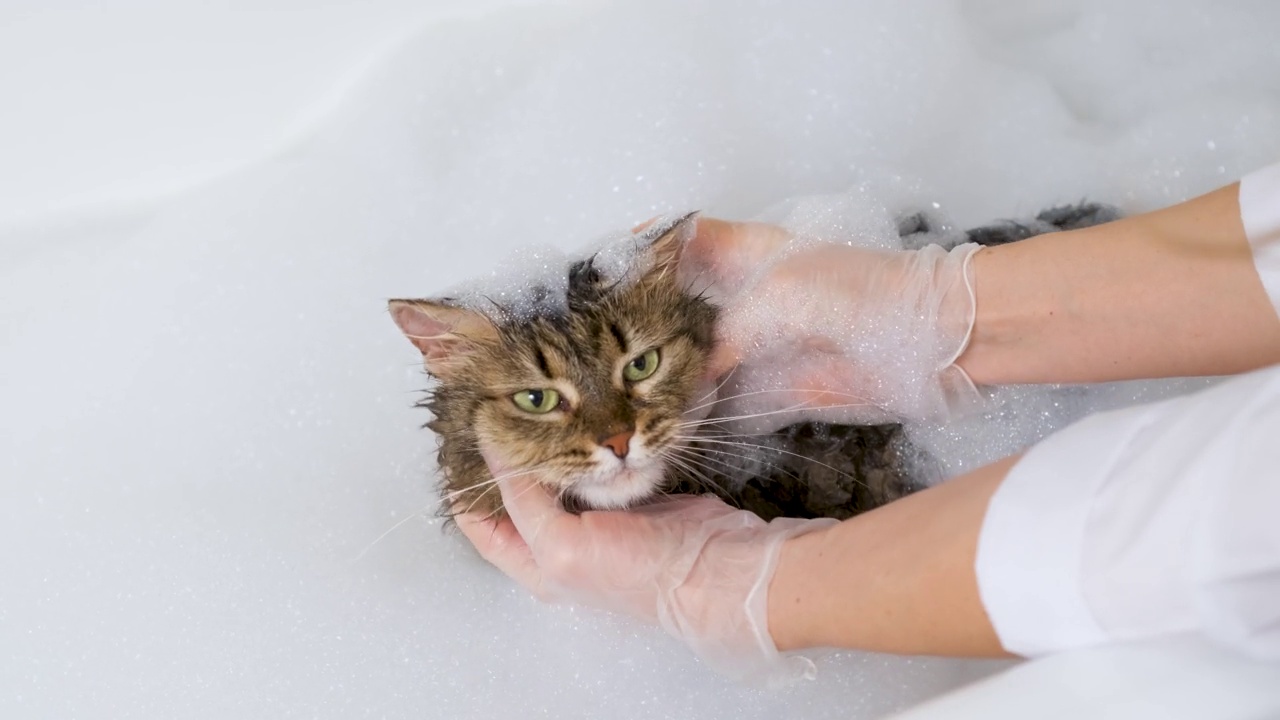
(481, 357)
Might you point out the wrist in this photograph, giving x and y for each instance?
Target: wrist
(994, 325)
(1026, 302)
(793, 617)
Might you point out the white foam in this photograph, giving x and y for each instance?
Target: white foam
(532, 281)
(206, 410)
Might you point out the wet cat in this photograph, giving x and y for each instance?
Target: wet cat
(597, 379)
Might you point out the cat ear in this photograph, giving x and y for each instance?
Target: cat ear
(443, 332)
(667, 240)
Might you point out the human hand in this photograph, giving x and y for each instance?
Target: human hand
(827, 331)
(693, 565)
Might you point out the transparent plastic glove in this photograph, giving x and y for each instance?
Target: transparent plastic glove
(827, 331)
(693, 565)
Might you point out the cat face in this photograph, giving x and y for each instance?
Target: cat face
(592, 392)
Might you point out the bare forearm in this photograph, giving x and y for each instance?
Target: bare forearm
(898, 579)
(1168, 293)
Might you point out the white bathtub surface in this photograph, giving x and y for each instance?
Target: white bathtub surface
(205, 421)
(1173, 678)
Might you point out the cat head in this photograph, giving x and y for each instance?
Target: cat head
(592, 387)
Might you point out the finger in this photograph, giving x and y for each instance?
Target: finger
(723, 358)
(644, 224)
(527, 501)
(729, 251)
(828, 380)
(820, 388)
(781, 390)
(533, 509)
(693, 508)
(498, 542)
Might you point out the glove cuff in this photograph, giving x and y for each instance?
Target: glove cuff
(735, 641)
(959, 393)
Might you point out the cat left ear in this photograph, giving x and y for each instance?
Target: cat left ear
(669, 238)
(443, 332)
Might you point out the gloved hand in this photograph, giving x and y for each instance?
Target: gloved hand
(825, 331)
(693, 565)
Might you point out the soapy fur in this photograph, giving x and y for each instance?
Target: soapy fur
(612, 443)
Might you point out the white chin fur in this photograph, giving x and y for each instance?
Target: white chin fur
(617, 484)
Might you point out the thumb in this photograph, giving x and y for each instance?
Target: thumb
(530, 505)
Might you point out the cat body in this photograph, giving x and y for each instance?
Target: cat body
(600, 388)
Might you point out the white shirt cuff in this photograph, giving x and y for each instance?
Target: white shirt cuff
(1260, 213)
(1029, 559)
(1140, 522)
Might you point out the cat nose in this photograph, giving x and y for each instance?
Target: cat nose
(619, 443)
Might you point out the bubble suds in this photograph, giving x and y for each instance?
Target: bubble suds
(534, 281)
(207, 415)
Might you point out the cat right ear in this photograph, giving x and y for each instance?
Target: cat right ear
(444, 333)
(667, 240)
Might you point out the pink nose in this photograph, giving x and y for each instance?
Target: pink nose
(619, 443)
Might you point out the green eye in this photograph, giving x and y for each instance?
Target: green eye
(537, 401)
(642, 366)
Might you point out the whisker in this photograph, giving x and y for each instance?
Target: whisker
(685, 458)
(708, 455)
(447, 499)
(698, 455)
(739, 470)
(787, 452)
(713, 421)
(480, 497)
(495, 511)
(779, 390)
(713, 391)
(699, 477)
(419, 513)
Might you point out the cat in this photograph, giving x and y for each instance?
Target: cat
(597, 381)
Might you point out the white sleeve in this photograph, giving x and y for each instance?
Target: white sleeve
(1143, 522)
(1150, 520)
(1260, 213)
